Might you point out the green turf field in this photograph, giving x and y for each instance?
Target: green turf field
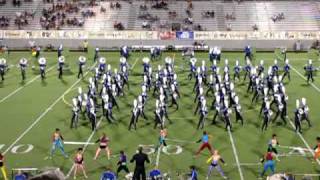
(31, 111)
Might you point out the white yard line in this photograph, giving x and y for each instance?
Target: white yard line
(305, 142)
(78, 143)
(180, 141)
(249, 164)
(86, 145)
(235, 154)
(293, 147)
(21, 87)
(314, 175)
(44, 113)
(299, 134)
(158, 156)
(135, 62)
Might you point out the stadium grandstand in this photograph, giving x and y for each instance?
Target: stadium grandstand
(160, 15)
(159, 89)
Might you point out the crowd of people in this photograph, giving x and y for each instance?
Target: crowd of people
(208, 14)
(4, 21)
(71, 14)
(23, 18)
(277, 17)
(3, 2)
(65, 14)
(160, 5)
(213, 90)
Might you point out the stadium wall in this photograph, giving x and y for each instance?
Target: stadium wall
(229, 40)
(231, 45)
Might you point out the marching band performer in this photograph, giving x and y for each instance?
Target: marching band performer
(61, 60)
(275, 68)
(2, 68)
(305, 110)
(237, 108)
(102, 65)
(266, 115)
(236, 69)
(42, 64)
(75, 113)
(134, 115)
(297, 117)
(146, 65)
(248, 53)
(286, 70)
(203, 114)
(60, 49)
(23, 66)
(96, 54)
(309, 71)
(82, 62)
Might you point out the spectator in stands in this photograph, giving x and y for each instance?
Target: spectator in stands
(160, 5)
(198, 27)
(103, 9)
(172, 14)
(3, 2)
(188, 20)
(47, 1)
(55, 17)
(88, 13)
(146, 25)
(143, 7)
(255, 27)
(118, 25)
(4, 21)
(208, 14)
(116, 5)
(189, 13)
(231, 16)
(277, 17)
(16, 3)
(190, 5)
(20, 176)
(229, 27)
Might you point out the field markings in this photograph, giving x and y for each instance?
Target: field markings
(21, 87)
(78, 143)
(158, 156)
(249, 164)
(299, 134)
(44, 113)
(86, 145)
(180, 141)
(235, 154)
(135, 62)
